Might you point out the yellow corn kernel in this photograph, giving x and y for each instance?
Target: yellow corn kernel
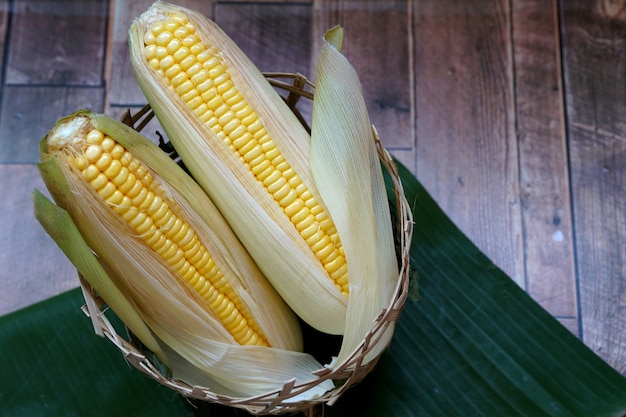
(204, 82)
(136, 196)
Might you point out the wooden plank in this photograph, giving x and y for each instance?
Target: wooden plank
(25, 120)
(377, 43)
(544, 182)
(594, 61)
(33, 267)
(267, 1)
(406, 157)
(4, 26)
(466, 142)
(60, 43)
(123, 87)
(570, 324)
(276, 37)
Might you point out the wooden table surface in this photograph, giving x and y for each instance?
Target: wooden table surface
(511, 112)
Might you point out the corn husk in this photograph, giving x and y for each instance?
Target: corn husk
(268, 236)
(140, 288)
(347, 171)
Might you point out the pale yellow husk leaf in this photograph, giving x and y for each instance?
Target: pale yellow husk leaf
(174, 313)
(348, 174)
(278, 249)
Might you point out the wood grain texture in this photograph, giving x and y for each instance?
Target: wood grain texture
(594, 39)
(4, 26)
(33, 267)
(377, 43)
(60, 43)
(406, 157)
(276, 37)
(123, 87)
(544, 183)
(267, 1)
(25, 121)
(465, 131)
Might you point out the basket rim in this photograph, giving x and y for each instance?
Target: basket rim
(349, 372)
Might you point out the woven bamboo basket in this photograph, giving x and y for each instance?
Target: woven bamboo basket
(344, 375)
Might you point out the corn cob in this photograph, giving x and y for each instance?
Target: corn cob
(130, 190)
(168, 250)
(249, 153)
(198, 75)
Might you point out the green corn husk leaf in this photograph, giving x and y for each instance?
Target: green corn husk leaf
(62, 229)
(197, 348)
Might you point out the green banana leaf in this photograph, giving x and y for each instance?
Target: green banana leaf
(472, 343)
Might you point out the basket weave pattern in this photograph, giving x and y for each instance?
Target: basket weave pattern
(345, 374)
